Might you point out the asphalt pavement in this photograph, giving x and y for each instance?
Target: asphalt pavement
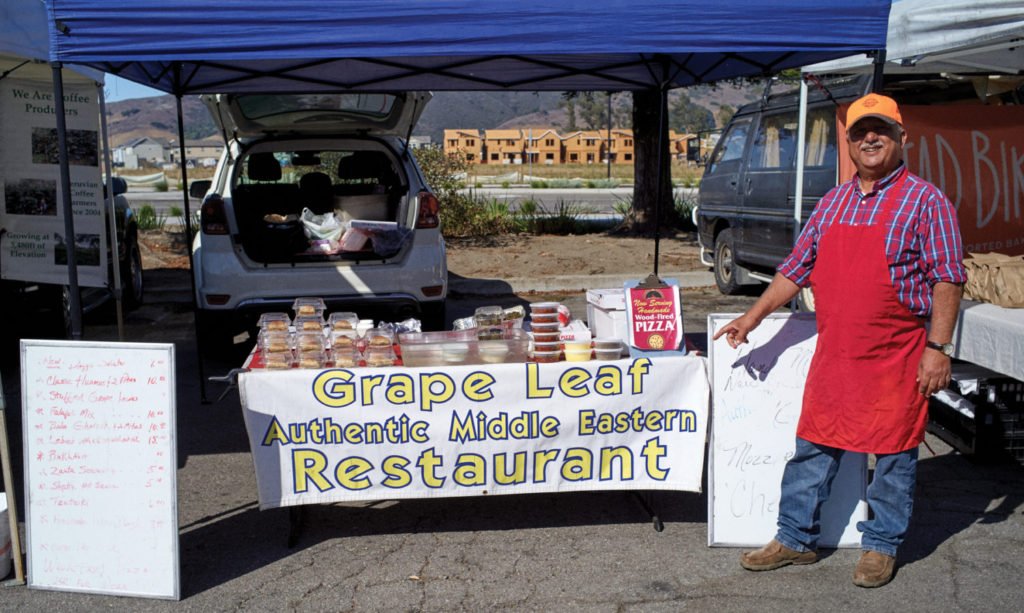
(562, 552)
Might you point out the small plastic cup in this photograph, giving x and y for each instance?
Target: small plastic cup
(546, 356)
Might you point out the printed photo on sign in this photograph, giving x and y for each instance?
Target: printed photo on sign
(87, 250)
(31, 197)
(82, 147)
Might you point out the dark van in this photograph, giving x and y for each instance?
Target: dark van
(745, 203)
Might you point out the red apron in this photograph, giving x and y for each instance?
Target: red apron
(861, 392)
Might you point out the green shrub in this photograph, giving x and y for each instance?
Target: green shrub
(161, 185)
(565, 183)
(149, 219)
(539, 184)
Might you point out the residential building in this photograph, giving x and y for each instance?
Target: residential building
(466, 143)
(504, 146)
(140, 152)
(204, 153)
(543, 146)
(584, 147)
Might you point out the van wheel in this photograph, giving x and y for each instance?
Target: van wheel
(725, 264)
(132, 282)
(805, 300)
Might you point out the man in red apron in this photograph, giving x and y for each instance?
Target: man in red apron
(883, 254)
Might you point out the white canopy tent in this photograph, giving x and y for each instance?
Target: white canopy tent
(981, 41)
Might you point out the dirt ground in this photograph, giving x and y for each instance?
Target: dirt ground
(517, 255)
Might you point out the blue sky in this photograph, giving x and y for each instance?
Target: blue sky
(117, 89)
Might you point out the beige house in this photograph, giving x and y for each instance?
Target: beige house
(466, 143)
(543, 146)
(584, 147)
(198, 152)
(504, 146)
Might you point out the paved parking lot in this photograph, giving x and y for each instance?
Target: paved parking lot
(592, 551)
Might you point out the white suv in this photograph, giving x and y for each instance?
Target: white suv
(330, 153)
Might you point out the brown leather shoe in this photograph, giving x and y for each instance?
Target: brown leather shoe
(874, 569)
(775, 555)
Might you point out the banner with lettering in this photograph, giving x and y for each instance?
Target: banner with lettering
(389, 433)
(975, 154)
(34, 246)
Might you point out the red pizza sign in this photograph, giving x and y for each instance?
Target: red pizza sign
(655, 319)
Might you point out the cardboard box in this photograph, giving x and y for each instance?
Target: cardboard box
(606, 313)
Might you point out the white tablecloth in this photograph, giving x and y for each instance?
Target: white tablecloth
(991, 336)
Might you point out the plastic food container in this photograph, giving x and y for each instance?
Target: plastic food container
(309, 323)
(493, 352)
(543, 318)
(608, 344)
(541, 308)
(343, 321)
(546, 337)
(545, 347)
(309, 306)
(347, 358)
(576, 345)
(546, 356)
(607, 354)
(489, 322)
(274, 341)
(342, 340)
(364, 325)
(455, 353)
(424, 348)
(544, 327)
(312, 359)
(277, 361)
(380, 356)
(577, 354)
(309, 341)
(275, 321)
(379, 337)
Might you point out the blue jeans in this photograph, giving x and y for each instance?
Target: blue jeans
(807, 480)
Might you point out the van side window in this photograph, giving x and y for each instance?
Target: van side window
(775, 143)
(821, 137)
(730, 148)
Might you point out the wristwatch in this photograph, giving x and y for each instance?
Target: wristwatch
(945, 348)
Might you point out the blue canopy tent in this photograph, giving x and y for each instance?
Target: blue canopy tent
(269, 46)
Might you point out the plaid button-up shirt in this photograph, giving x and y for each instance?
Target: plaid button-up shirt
(922, 242)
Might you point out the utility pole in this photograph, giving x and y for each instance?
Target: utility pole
(608, 155)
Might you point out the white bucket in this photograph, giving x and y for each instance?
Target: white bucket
(5, 538)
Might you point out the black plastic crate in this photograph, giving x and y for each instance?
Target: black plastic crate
(994, 431)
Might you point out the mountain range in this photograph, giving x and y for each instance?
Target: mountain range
(156, 117)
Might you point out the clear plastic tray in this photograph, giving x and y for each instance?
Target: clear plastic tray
(462, 347)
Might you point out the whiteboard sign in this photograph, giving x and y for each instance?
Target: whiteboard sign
(100, 460)
(757, 391)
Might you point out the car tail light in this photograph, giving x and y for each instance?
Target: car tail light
(213, 218)
(429, 208)
(432, 290)
(218, 299)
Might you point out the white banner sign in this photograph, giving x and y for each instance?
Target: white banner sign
(34, 246)
(388, 433)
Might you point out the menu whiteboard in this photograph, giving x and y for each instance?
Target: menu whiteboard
(756, 394)
(100, 461)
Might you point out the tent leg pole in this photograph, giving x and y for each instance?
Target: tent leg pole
(65, 190)
(115, 246)
(188, 248)
(644, 499)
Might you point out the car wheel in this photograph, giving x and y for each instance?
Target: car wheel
(432, 315)
(725, 264)
(132, 281)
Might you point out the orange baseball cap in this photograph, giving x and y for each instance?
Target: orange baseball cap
(874, 105)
